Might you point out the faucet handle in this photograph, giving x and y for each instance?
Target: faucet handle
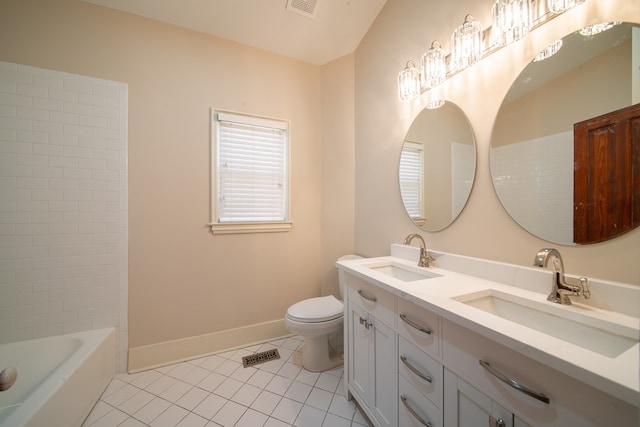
(584, 287)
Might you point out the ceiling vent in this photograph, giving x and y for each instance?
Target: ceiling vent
(303, 7)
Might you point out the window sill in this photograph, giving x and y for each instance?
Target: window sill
(250, 227)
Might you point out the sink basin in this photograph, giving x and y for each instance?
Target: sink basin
(568, 324)
(402, 272)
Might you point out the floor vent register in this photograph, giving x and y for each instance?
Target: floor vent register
(261, 357)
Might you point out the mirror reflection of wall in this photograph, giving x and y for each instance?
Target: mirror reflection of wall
(532, 146)
(437, 167)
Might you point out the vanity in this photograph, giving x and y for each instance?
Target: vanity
(470, 342)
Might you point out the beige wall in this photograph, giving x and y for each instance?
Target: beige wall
(402, 31)
(183, 281)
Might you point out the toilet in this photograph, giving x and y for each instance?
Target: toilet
(317, 320)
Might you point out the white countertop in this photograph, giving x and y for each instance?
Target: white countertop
(619, 376)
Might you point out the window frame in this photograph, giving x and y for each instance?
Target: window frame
(241, 227)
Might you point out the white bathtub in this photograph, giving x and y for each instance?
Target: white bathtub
(59, 378)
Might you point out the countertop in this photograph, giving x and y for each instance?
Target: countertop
(618, 376)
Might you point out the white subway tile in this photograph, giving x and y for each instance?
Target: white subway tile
(63, 95)
(63, 206)
(15, 194)
(63, 162)
(31, 229)
(7, 87)
(93, 164)
(47, 149)
(33, 91)
(66, 228)
(95, 122)
(74, 173)
(47, 81)
(76, 130)
(32, 137)
(7, 135)
(47, 195)
(9, 182)
(47, 217)
(77, 85)
(64, 140)
(64, 118)
(8, 253)
(63, 184)
(8, 111)
(53, 129)
(47, 104)
(15, 123)
(78, 108)
(32, 160)
(15, 99)
(8, 206)
(32, 207)
(46, 172)
(15, 147)
(77, 152)
(15, 76)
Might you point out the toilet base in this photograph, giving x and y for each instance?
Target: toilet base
(318, 356)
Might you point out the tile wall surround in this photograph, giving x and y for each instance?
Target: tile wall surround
(63, 204)
(535, 180)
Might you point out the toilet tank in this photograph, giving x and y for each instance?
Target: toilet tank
(341, 273)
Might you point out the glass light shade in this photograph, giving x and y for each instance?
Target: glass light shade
(433, 68)
(594, 29)
(559, 6)
(549, 51)
(409, 82)
(511, 21)
(466, 42)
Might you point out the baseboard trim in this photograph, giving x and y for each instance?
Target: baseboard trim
(165, 353)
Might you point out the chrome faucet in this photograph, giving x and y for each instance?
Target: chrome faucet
(560, 289)
(425, 258)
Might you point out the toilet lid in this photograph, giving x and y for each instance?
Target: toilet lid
(312, 310)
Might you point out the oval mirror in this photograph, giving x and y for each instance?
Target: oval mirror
(437, 167)
(562, 163)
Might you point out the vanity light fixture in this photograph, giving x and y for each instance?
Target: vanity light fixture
(594, 29)
(409, 82)
(559, 6)
(466, 44)
(433, 68)
(549, 51)
(511, 21)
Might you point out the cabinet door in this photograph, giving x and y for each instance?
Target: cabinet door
(359, 355)
(385, 370)
(464, 406)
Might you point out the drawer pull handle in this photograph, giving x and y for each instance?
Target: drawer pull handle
(414, 413)
(496, 422)
(415, 370)
(415, 325)
(513, 383)
(367, 297)
(365, 323)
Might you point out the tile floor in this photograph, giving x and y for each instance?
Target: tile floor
(218, 391)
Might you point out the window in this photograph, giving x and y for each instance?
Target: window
(411, 179)
(250, 177)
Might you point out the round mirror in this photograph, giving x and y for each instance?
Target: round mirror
(437, 167)
(564, 159)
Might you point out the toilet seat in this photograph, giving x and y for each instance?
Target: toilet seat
(316, 310)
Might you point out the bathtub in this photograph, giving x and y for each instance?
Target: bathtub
(59, 378)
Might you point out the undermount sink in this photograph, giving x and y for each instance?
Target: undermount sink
(598, 335)
(402, 272)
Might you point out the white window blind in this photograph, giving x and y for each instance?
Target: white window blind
(411, 177)
(251, 171)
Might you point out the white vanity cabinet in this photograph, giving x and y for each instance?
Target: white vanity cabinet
(465, 406)
(371, 356)
(570, 402)
(408, 366)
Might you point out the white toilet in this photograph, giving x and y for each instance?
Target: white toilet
(316, 320)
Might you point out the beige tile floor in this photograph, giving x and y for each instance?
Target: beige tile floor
(218, 391)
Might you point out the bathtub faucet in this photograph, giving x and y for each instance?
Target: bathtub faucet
(8, 377)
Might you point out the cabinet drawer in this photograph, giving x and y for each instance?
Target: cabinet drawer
(571, 401)
(376, 301)
(419, 326)
(414, 409)
(424, 373)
